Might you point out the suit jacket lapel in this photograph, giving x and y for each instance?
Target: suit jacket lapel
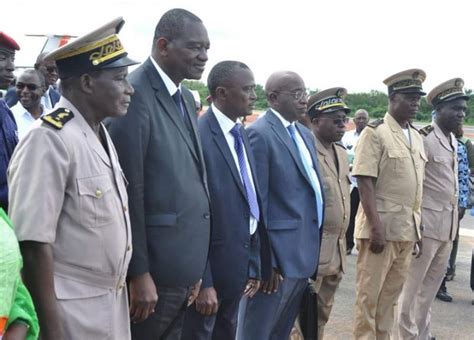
(285, 138)
(223, 147)
(165, 100)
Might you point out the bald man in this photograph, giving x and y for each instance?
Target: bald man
(292, 204)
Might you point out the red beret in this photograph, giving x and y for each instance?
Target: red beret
(8, 42)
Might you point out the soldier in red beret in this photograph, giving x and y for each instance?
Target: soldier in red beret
(8, 129)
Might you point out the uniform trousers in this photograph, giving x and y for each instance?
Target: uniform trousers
(166, 322)
(379, 281)
(424, 278)
(326, 287)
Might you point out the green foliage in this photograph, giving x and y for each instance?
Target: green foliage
(198, 86)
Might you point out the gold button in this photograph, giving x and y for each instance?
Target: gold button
(120, 286)
(128, 248)
(343, 197)
(125, 208)
(345, 216)
(98, 193)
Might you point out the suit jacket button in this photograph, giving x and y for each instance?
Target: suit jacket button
(246, 245)
(206, 216)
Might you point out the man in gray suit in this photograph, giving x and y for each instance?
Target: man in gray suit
(160, 151)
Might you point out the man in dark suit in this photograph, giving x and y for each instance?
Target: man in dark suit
(50, 71)
(160, 151)
(288, 176)
(239, 254)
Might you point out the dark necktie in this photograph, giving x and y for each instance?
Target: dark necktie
(307, 168)
(249, 190)
(178, 100)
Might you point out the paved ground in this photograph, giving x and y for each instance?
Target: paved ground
(453, 320)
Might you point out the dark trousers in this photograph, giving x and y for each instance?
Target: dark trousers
(220, 326)
(272, 316)
(166, 322)
(355, 199)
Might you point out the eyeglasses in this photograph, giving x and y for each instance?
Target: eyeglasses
(297, 95)
(31, 87)
(337, 121)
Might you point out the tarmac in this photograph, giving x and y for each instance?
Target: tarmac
(454, 320)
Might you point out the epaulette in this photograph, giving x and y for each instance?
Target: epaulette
(341, 145)
(376, 123)
(426, 130)
(58, 118)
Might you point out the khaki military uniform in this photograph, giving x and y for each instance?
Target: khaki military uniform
(397, 163)
(68, 191)
(332, 260)
(439, 216)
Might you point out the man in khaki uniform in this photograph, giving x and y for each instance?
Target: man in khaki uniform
(389, 166)
(327, 112)
(439, 209)
(69, 200)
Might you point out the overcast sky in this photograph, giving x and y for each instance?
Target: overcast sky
(350, 43)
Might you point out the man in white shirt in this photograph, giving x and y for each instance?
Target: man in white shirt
(30, 88)
(49, 70)
(361, 118)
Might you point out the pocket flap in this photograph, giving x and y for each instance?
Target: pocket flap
(432, 205)
(439, 159)
(388, 206)
(161, 220)
(95, 186)
(67, 289)
(394, 153)
(283, 224)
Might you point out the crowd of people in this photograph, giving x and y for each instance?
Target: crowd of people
(131, 218)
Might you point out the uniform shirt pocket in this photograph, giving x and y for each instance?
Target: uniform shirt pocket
(399, 160)
(96, 200)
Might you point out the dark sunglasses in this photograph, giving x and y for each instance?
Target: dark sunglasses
(337, 121)
(31, 87)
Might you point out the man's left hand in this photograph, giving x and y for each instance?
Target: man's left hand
(251, 288)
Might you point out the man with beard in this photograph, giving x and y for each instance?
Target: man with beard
(389, 167)
(30, 87)
(8, 128)
(361, 118)
(239, 253)
(70, 213)
(439, 209)
(160, 150)
(327, 112)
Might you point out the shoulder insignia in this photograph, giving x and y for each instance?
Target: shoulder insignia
(426, 130)
(340, 145)
(58, 118)
(376, 123)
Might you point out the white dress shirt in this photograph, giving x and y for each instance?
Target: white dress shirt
(172, 88)
(226, 125)
(349, 140)
(24, 119)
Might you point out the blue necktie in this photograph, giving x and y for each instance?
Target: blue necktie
(307, 168)
(249, 190)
